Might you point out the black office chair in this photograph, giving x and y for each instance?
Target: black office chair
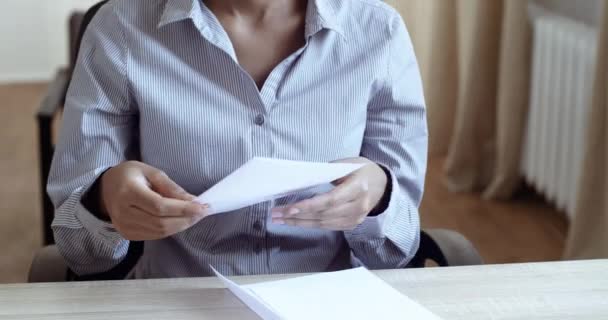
(444, 247)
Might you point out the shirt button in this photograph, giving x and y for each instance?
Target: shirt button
(257, 226)
(260, 119)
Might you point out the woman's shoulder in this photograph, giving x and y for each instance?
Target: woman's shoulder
(131, 10)
(381, 7)
(375, 8)
(367, 16)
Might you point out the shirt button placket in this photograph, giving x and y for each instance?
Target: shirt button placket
(258, 248)
(262, 147)
(261, 141)
(259, 229)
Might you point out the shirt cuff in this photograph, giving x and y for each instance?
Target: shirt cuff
(104, 230)
(377, 227)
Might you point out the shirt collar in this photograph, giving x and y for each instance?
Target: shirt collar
(324, 14)
(179, 10)
(320, 14)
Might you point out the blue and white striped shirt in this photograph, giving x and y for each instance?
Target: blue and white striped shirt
(158, 81)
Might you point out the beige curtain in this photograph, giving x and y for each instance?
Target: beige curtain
(475, 62)
(589, 231)
(475, 59)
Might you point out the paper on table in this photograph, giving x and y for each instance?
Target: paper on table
(350, 294)
(248, 298)
(263, 179)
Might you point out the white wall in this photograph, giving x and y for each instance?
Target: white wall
(33, 37)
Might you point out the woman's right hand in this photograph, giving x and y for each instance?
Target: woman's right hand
(143, 203)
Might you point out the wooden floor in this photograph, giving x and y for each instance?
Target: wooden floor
(525, 229)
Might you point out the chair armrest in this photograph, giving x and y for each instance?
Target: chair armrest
(48, 266)
(456, 249)
(74, 27)
(55, 96)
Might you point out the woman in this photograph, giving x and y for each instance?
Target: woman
(170, 96)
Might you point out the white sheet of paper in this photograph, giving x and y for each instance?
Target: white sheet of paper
(248, 298)
(351, 294)
(263, 179)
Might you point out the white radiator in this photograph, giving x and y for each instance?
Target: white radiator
(564, 57)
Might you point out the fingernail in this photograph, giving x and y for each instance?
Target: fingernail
(278, 221)
(202, 209)
(294, 211)
(365, 187)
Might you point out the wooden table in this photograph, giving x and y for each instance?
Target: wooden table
(559, 290)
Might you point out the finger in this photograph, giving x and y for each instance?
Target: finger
(312, 224)
(131, 224)
(338, 224)
(351, 189)
(148, 227)
(171, 208)
(342, 210)
(166, 227)
(154, 204)
(163, 185)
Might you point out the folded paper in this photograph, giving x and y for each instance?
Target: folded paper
(263, 179)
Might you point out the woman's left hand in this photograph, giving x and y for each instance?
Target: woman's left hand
(342, 209)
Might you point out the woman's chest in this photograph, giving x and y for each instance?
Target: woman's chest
(203, 117)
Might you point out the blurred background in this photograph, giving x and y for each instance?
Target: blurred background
(517, 106)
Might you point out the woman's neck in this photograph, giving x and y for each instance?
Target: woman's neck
(257, 10)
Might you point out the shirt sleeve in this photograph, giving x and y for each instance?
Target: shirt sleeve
(97, 133)
(396, 138)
